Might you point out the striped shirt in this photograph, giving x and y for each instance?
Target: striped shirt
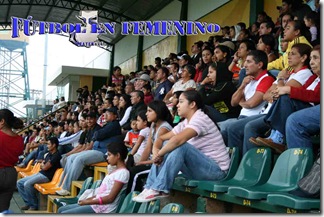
(209, 140)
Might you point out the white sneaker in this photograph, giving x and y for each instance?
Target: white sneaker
(63, 192)
(148, 195)
(143, 192)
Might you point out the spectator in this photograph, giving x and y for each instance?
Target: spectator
(108, 193)
(240, 133)
(55, 105)
(301, 126)
(185, 83)
(131, 136)
(11, 146)
(217, 90)
(174, 69)
(148, 97)
(160, 118)
(290, 99)
(48, 167)
(196, 50)
(137, 99)
(117, 78)
(293, 33)
(250, 93)
(124, 108)
(194, 142)
(89, 153)
(164, 83)
(267, 44)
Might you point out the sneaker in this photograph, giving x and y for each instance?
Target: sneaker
(21, 165)
(148, 195)
(63, 192)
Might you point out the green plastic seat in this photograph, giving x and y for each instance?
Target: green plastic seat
(65, 201)
(290, 167)
(150, 207)
(121, 200)
(254, 169)
(172, 208)
(96, 184)
(293, 201)
(235, 159)
(130, 206)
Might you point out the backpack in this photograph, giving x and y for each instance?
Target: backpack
(311, 183)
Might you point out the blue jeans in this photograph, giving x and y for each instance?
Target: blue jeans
(27, 191)
(239, 132)
(75, 164)
(254, 128)
(301, 125)
(75, 208)
(32, 155)
(281, 109)
(187, 159)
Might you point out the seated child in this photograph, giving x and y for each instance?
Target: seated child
(132, 135)
(107, 197)
(144, 126)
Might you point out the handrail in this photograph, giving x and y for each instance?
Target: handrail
(39, 120)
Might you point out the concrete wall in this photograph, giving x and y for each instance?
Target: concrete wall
(169, 12)
(125, 49)
(197, 9)
(227, 15)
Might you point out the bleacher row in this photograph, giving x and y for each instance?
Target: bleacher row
(53, 201)
(260, 180)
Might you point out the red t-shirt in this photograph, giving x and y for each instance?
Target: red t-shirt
(10, 149)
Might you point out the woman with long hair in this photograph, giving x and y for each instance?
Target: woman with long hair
(195, 147)
(160, 118)
(11, 146)
(124, 108)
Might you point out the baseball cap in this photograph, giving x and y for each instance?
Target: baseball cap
(228, 44)
(144, 77)
(112, 110)
(184, 56)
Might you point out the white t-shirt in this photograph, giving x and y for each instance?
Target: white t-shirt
(118, 175)
(145, 133)
(301, 76)
(209, 140)
(179, 86)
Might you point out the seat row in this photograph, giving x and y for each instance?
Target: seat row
(126, 204)
(253, 182)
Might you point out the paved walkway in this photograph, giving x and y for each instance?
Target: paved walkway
(16, 202)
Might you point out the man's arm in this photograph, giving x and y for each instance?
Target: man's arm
(239, 93)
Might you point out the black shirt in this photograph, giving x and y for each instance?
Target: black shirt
(55, 162)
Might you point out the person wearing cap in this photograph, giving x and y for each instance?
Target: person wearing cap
(142, 80)
(165, 84)
(94, 152)
(185, 83)
(184, 59)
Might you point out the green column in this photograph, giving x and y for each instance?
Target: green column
(255, 7)
(139, 57)
(182, 40)
(112, 56)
